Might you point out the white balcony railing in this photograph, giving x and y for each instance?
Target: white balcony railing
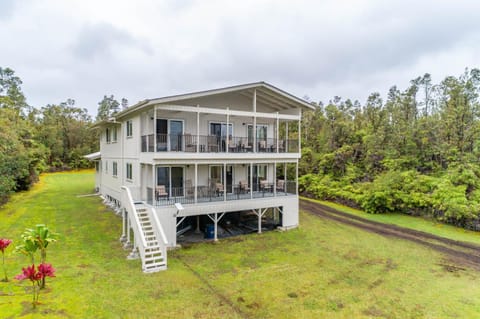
(216, 144)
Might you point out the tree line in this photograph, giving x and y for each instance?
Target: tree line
(50, 138)
(416, 152)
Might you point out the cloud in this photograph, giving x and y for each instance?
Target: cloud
(86, 49)
(102, 40)
(6, 8)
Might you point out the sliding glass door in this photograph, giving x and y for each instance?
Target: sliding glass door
(172, 179)
(220, 131)
(216, 176)
(169, 135)
(261, 133)
(259, 174)
(176, 133)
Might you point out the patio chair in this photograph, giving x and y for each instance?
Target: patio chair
(244, 186)
(281, 146)
(190, 143)
(219, 189)
(189, 191)
(263, 185)
(262, 146)
(232, 147)
(212, 143)
(280, 185)
(160, 192)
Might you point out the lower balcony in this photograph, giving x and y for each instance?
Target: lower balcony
(216, 192)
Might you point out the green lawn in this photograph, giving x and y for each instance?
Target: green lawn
(321, 270)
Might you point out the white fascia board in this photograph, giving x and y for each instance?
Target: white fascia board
(194, 109)
(235, 205)
(185, 161)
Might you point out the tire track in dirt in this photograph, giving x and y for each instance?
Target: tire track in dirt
(460, 253)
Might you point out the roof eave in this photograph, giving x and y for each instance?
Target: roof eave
(300, 102)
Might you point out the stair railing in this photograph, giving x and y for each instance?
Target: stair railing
(139, 238)
(159, 233)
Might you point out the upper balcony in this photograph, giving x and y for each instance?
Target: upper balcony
(215, 144)
(187, 129)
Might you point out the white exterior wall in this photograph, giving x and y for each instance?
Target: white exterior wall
(168, 215)
(128, 150)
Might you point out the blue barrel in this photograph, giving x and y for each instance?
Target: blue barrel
(210, 231)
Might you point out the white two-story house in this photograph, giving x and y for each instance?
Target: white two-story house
(204, 162)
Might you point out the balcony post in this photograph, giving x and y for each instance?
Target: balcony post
(251, 180)
(296, 179)
(274, 179)
(154, 180)
(155, 129)
(195, 179)
(286, 136)
(254, 129)
(276, 132)
(198, 132)
(285, 177)
(225, 181)
(215, 221)
(259, 220)
(227, 138)
(299, 133)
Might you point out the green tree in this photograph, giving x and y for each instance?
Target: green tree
(65, 130)
(107, 107)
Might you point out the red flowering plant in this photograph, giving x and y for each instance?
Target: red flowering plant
(36, 276)
(3, 245)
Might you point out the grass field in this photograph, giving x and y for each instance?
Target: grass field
(320, 270)
(429, 225)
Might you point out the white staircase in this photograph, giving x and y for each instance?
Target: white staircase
(153, 259)
(149, 238)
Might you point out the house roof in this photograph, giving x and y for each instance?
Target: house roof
(266, 93)
(93, 156)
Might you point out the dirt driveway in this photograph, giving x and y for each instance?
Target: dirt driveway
(459, 254)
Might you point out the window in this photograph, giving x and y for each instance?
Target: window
(129, 128)
(114, 135)
(107, 135)
(129, 171)
(114, 169)
(106, 166)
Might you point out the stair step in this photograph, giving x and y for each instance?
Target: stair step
(153, 255)
(155, 269)
(149, 261)
(153, 266)
(152, 244)
(150, 258)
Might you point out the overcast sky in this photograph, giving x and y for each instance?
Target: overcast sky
(146, 49)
